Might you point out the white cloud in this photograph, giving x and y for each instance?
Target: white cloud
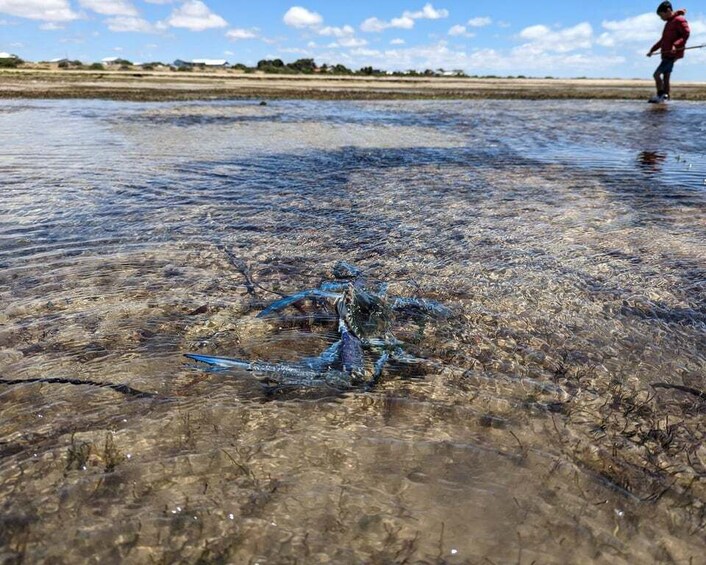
(420, 57)
(130, 24)
(374, 53)
(479, 22)
(457, 30)
(405, 21)
(50, 26)
(397, 41)
(345, 36)
(351, 42)
(643, 28)
(484, 61)
(376, 25)
(296, 51)
(195, 16)
(337, 31)
(542, 39)
(646, 29)
(535, 32)
(239, 33)
(47, 10)
(110, 7)
(698, 37)
(428, 13)
(300, 17)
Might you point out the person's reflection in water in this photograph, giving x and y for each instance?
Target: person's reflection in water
(651, 161)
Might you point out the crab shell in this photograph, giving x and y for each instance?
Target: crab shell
(366, 314)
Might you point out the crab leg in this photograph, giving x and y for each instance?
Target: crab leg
(279, 373)
(220, 362)
(326, 360)
(401, 356)
(333, 286)
(352, 361)
(421, 306)
(294, 298)
(379, 365)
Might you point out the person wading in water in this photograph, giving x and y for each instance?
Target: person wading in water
(671, 45)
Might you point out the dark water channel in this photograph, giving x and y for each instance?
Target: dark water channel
(568, 238)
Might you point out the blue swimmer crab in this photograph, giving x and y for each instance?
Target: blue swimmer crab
(364, 325)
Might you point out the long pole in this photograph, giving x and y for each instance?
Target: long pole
(685, 48)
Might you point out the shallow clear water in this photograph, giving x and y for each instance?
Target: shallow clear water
(567, 237)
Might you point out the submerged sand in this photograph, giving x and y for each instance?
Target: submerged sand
(566, 238)
(169, 85)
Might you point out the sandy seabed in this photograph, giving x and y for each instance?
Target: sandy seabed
(558, 415)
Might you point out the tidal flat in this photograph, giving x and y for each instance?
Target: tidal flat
(139, 85)
(558, 416)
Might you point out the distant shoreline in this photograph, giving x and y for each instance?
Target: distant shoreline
(222, 85)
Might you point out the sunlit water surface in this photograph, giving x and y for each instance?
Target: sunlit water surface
(567, 238)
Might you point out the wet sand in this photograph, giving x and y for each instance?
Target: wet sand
(168, 85)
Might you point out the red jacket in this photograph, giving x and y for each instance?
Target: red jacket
(676, 32)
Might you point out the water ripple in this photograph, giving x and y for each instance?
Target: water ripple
(566, 237)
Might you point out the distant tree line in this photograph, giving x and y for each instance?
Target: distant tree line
(270, 66)
(10, 62)
(308, 66)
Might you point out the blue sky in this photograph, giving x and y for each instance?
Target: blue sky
(596, 38)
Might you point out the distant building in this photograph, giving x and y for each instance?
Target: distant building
(59, 60)
(210, 63)
(4, 55)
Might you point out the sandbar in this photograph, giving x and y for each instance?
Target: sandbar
(135, 85)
